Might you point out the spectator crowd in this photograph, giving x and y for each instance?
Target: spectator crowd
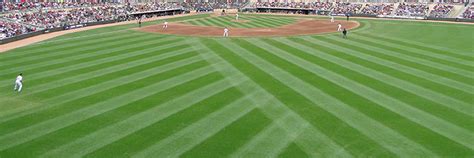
(9, 29)
(324, 6)
(378, 9)
(346, 8)
(58, 18)
(35, 6)
(413, 10)
(21, 18)
(441, 10)
(469, 13)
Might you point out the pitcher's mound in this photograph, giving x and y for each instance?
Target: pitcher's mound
(302, 27)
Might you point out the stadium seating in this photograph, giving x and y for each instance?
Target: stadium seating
(469, 13)
(441, 10)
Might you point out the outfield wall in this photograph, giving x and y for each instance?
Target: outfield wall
(303, 11)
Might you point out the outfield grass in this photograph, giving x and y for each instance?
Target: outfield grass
(393, 89)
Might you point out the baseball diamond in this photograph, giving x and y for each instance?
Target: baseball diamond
(218, 84)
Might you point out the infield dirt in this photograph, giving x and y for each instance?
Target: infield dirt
(301, 27)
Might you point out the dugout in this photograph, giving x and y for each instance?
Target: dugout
(157, 13)
(286, 10)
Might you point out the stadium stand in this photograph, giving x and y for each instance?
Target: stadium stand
(346, 8)
(378, 9)
(469, 13)
(412, 10)
(441, 10)
(10, 29)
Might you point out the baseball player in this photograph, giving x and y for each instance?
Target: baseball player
(237, 16)
(18, 83)
(332, 18)
(344, 33)
(140, 22)
(165, 25)
(226, 32)
(339, 27)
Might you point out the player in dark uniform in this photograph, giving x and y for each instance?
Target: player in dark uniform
(344, 33)
(140, 22)
(347, 16)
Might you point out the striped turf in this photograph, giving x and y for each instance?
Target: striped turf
(248, 21)
(117, 92)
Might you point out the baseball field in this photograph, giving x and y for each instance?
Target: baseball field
(391, 89)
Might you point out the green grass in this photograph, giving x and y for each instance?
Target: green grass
(247, 21)
(392, 89)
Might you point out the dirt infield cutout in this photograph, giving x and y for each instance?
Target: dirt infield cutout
(301, 27)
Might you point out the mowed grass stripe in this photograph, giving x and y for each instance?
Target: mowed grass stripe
(248, 24)
(435, 47)
(93, 54)
(440, 58)
(83, 35)
(422, 118)
(194, 101)
(195, 22)
(235, 134)
(442, 95)
(90, 125)
(40, 129)
(185, 139)
(292, 150)
(103, 59)
(90, 82)
(72, 105)
(153, 133)
(210, 23)
(215, 23)
(422, 54)
(318, 117)
(40, 82)
(260, 23)
(276, 110)
(270, 141)
(423, 64)
(100, 65)
(384, 136)
(240, 24)
(404, 89)
(84, 92)
(62, 98)
(274, 22)
(35, 49)
(362, 104)
(62, 53)
(225, 22)
(280, 19)
(423, 47)
(423, 78)
(59, 49)
(436, 69)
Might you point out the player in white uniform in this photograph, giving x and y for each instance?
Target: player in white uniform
(339, 27)
(226, 32)
(237, 16)
(332, 18)
(165, 25)
(18, 83)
